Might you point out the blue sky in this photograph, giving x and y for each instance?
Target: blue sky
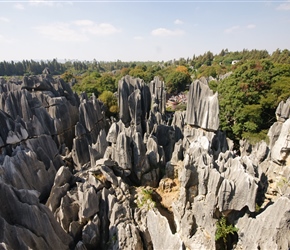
(139, 30)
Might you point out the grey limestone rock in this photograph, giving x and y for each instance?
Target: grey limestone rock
(18, 232)
(91, 233)
(44, 105)
(238, 189)
(61, 185)
(125, 236)
(177, 153)
(283, 111)
(260, 152)
(166, 138)
(140, 160)
(281, 149)
(11, 132)
(178, 123)
(158, 93)
(202, 107)
(217, 140)
(123, 152)
(133, 100)
(89, 202)
(135, 109)
(160, 232)
(269, 230)
(113, 133)
(274, 133)
(27, 173)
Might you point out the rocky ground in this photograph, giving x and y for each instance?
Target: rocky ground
(73, 179)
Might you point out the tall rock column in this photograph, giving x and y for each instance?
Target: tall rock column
(202, 107)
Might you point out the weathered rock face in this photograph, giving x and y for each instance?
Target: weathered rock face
(22, 219)
(280, 150)
(87, 198)
(269, 230)
(202, 107)
(160, 232)
(51, 108)
(283, 111)
(158, 93)
(141, 159)
(134, 100)
(279, 134)
(88, 130)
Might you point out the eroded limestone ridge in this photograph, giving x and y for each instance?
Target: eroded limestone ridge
(72, 179)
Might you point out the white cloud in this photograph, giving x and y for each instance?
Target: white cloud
(83, 22)
(4, 19)
(60, 32)
(41, 2)
(138, 38)
(4, 39)
(19, 6)
(178, 21)
(166, 32)
(284, 6)
(48, 3)
(101, 29)
(79, 30)
(251, 26)
(231, 29)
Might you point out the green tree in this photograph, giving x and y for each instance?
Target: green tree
(106, 83)
(177, 81)
(110, 102)
(249, 97)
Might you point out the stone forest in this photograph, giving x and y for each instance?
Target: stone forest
(72, 178)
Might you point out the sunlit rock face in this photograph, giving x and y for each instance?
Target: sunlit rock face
(202, 107)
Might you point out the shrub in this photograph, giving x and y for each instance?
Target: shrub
(110, 102)
(144, 199)
(223, 230)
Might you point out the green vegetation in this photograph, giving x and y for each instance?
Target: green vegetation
(223, 230)
(177, 81)
(94, 82)
(110, 102)
(257, 208)
(144, 199)
(249, 97)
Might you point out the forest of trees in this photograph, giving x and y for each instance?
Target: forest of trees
(248, 97)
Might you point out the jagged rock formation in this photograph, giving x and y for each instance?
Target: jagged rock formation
(283, 111)
(202, 107)
(42, 105)
(140, 160)
(142, 182)
(276, 227)
(30, 158)
(88, 130)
